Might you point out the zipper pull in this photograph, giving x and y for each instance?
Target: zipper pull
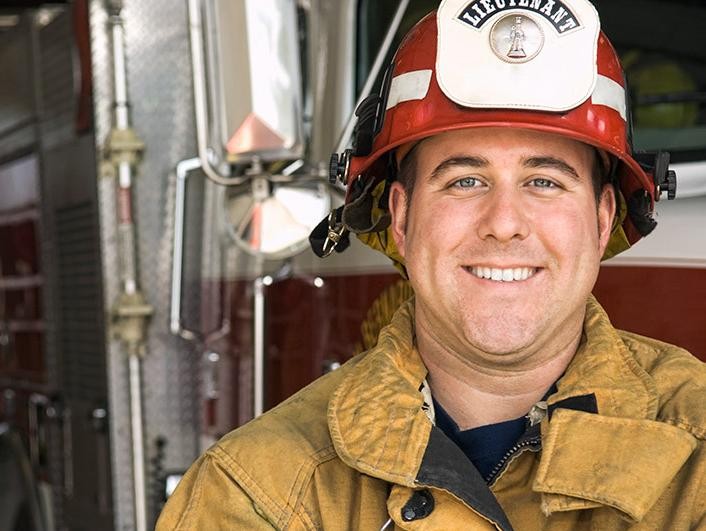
(537, 413)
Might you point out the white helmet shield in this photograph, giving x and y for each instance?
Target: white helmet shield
(517, 54)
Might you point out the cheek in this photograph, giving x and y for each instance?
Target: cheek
(570, 228)
(441, 225)
(433, 233)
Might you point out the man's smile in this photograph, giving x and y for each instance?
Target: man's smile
(498, 274)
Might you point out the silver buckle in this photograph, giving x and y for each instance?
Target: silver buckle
(335, 233)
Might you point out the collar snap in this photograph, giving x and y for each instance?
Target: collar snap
(419, 506)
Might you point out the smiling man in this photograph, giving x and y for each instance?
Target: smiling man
(495, 169)
(502, 231)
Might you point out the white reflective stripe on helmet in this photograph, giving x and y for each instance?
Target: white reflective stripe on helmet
(610, 94)
(415, 86)
(408, 87)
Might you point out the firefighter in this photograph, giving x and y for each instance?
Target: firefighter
(495, 169)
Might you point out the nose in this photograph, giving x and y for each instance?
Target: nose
(503, 219)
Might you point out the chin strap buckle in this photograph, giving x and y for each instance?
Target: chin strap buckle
(330, 236)
(336, 231)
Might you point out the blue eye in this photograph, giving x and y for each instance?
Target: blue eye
(467, 182)
(543, 183)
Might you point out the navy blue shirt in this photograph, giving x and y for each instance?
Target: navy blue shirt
(485, 446)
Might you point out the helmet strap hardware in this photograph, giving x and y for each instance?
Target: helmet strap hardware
(368, 113)
(336, 231)
(358, 213)
(339, 167)
(657, 163)
(640, 212)
(330, 235)
(371, 116)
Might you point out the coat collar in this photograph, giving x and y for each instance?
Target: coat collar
(379, 427)
(622, 458)
(604, 367)
(375, 416)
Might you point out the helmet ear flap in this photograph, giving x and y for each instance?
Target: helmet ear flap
(640, 212)
(639, 204)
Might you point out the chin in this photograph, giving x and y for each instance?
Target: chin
(501, 338)
(501, 349)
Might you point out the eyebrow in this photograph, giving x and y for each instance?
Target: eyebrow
(552, 162)
(453, 162)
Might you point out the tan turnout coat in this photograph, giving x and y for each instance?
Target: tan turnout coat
(623, 448)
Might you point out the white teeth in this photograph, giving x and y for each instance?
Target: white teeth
(503, 275)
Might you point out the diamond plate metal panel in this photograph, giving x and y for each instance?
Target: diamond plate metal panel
(160, 72)
(159, 76)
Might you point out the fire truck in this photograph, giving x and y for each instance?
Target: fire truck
(162, 164)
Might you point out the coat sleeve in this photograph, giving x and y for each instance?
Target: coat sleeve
(207, 497)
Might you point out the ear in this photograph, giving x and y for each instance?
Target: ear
(606, 214)
(398, 211)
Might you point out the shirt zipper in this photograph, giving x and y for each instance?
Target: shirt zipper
(528, 442)
(531, 443)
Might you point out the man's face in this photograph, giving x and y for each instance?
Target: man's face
(502, 238)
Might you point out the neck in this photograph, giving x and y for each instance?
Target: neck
(476, 392)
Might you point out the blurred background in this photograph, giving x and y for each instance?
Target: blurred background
(162, 163)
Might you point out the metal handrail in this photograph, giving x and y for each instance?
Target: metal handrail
(182, 173)
(183, 169)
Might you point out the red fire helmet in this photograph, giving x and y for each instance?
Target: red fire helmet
(533, 64)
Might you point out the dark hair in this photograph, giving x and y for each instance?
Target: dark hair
(600, 175)
(407, 173)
